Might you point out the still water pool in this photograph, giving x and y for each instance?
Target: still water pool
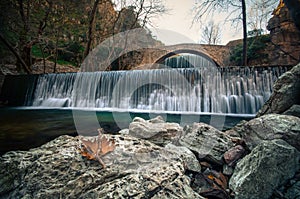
(23, 128)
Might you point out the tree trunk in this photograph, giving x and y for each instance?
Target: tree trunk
(26, 54)
(244, 33)
(91, 28)
(56, 53)
(16, 54)
(44, 58)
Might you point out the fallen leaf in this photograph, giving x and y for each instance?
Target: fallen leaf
(90, 148)
(94, 149)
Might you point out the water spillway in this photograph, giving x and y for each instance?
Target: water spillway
(197, 90)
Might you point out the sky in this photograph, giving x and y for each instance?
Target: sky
(179, 20)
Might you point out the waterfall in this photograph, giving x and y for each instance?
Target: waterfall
(186, 60)
(206, 89)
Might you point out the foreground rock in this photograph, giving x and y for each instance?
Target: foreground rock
(187, 156)
(286, 93)
(268, 166)
(207, 142)
(272, 126)
(293, 191)
(136, 168)
(294, 110)
(155, 130)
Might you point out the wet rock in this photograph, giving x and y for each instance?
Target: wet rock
(205, 165)
(210, 184)
(158, 119)
(227, 170)
(285, 94)
(272, 126)
(124, 132)
(155, 130)
(294, 110)
(236, 133)
(136, 168)
(234, 154)
(187, 156)
(293, 191)
(237, 130)
(180, 188)
(208, 142)
(268, 166)
(289, 190)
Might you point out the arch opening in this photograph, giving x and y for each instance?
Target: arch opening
(186, 59)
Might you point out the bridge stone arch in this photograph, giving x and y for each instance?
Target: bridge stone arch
(219, 54)
(177, 52)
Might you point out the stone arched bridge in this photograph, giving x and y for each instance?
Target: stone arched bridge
(217, 53)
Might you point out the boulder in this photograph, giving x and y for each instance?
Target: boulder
(155, 130)
(272, 126)
(293, 191)
(207, 142)
(285, 94)
(268, 166)
(211, 184)
(234, 154)
(294, 110)
(187, 156)
(135, 169)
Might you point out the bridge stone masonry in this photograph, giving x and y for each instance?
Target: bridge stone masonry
(218, 53)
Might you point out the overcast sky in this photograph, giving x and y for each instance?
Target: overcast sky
(180, 19)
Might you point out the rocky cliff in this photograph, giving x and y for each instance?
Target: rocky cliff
(285, 39)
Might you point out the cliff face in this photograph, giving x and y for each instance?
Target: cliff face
(107, 15)
(285, 39)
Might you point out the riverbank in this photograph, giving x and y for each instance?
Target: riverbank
(39, 68)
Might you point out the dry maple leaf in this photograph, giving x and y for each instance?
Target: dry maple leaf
(98, 147)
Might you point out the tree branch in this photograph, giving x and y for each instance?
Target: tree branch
(16, 54)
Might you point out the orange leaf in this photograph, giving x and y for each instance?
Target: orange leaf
(106, 145)
(97, 147)
(211, 177)
(87, 155)
(90, 147)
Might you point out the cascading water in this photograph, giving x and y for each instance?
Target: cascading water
(186, 60)
(206, 89)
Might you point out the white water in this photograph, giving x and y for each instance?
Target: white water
(238, 91)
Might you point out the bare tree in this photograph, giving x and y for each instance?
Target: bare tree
(133, 15)
(211, 33)
(91, 27)
(259, 13)
(236, 10)
(28, 24)
(244, 19)
(15, 53)
(145, 10)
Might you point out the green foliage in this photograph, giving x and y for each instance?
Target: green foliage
(256, 46)
(75, 47)
(70, 54)
(37, 52)
(63, 62)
